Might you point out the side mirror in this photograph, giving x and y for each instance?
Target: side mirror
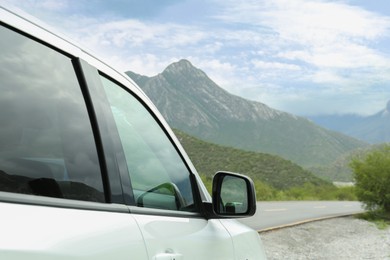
(233, 196)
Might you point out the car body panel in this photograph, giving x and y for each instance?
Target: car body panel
(247, 243)
(189, 238)
(36, 227)
(41, 232)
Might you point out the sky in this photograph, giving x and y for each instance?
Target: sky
(305, 57)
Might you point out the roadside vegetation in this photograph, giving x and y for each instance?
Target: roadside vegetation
(372, 175)
(377, 217)
(275, 178)
(307, 191)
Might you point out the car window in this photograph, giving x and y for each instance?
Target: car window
(159, 177)
(47, 145)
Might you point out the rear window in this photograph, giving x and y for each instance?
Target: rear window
(47, 146)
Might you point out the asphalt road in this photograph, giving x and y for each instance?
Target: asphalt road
(277, 214)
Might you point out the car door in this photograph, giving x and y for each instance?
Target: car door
(165, 200)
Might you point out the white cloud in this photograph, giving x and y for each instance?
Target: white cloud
(326, 76)
(134, 33)
(340, 55)
(46, 5)
(318, 33)
(53, 5)
(306, 21)
(143, 47)
(318, 23)
(259, 64)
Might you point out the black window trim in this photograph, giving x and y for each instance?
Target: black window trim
(163, 212)
(108, 152)
(27, 199)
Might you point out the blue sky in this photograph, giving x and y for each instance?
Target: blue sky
(306, 57)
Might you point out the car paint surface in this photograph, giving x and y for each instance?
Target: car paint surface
(41, 232)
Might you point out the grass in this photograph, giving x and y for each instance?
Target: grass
(379, 218)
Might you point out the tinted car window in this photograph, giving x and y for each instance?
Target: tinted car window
(46, 141)
(159, 177)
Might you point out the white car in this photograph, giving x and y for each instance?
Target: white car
(89, 169)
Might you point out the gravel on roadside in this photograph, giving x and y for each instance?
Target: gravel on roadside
(338, 238)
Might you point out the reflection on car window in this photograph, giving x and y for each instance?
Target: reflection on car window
(46, 141)
(159, 177)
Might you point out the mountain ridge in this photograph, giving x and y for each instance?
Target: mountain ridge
(374, 129)
(191, 102)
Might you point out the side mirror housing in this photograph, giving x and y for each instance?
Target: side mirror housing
(233, 196)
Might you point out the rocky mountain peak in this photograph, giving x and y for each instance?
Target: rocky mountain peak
(212, 99)
(183, 66)
(183, 63)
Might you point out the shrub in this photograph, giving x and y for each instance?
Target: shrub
(264, 192)
(372, 176)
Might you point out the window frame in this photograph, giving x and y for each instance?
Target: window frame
(106, 140)
(193, 181)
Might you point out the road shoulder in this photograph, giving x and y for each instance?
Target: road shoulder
(338, 238)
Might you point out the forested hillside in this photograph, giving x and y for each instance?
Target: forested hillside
(273, 170)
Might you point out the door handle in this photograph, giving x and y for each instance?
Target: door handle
(168, 256)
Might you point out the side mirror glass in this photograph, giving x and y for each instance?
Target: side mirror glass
(233, 195)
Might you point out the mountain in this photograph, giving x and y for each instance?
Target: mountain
(273, 170)
(191, 102)
(374, 129)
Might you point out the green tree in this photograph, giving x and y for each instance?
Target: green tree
(372, 176)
